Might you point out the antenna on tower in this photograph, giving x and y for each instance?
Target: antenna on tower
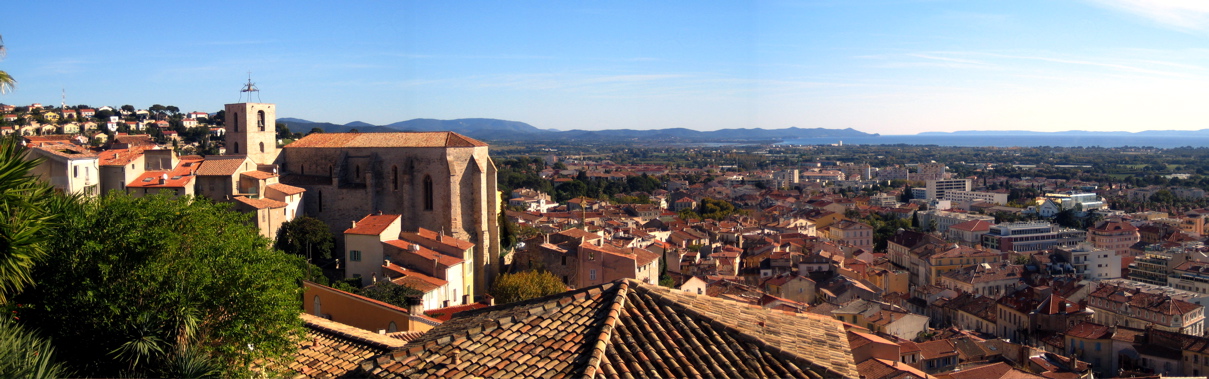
(63, 101)
(248, 88)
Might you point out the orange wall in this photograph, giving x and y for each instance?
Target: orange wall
(356, 311)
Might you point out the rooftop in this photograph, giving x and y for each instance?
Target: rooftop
(624, 328)
(372, 225)
(397, 139)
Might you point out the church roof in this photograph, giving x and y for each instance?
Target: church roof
(396, 139)
(620, 329)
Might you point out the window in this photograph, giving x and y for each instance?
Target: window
(394, 177)
(75, 171)
(392, 327)
(564, 260)
(319, 199)
(428, 193)
(260, 120)
(235, 148)
(358, 172)
(354, 255)
(262, 147)
(1097, 346)
(318, 307)
(592, 274)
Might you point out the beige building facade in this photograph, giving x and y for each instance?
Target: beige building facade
(440, 181)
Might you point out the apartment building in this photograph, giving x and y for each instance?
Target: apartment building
(1023, 237)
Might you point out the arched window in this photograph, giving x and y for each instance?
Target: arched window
(235, 122)
(262, 147)
(318, 307)
(427, 193)
(392, 327)
(260, 120)
(235, 148)
(394, 176)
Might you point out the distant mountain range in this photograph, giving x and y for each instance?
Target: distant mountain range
(500, 130)
(1153, 133)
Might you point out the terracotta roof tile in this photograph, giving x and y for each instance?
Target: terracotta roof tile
(259, 175)
(260, 203)
(221, 165)
(397, 139)
(372, 225)
(623, 329)
(331, 349)
(286, 188)
(119, 157)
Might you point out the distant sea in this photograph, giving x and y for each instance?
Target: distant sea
(1014, 140)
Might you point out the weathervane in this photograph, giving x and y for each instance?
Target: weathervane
(250, 87)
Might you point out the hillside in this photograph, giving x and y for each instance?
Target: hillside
(501, 130)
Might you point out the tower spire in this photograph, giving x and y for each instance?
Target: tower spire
(249, 88)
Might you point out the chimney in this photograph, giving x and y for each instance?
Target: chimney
(415, 305)
(354, 224)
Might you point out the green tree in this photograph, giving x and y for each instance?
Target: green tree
(6, 81)
(306, 237)
(389, 292)
(525, 285)
(139, 285)
(715, 209)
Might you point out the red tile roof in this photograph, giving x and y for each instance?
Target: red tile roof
(259, 175)
(372, 225)
(119, 157)
(286, 189)
(433, 236)
(179, 177)
(221, 166)
(260, 203)
(444, 314)
(425, 253)
(624, 329)
(1090, 331)
(332, 349)
(398, 139)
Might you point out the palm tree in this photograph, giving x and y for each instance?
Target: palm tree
(6, 81)
(24, 218)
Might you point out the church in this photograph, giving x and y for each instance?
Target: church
(439, 181)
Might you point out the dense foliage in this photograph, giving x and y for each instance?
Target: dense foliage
(525, 285)
(306, 237)
(162, 287)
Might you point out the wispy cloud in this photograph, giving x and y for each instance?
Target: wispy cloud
(1187, 15)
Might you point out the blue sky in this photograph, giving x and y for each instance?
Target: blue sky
(890, 67)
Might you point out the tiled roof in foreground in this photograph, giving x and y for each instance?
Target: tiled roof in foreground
(334, 350)
(624, 329)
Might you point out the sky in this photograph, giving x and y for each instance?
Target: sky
(878, 66)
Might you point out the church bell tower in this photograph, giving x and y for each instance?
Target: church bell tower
(252, 129)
